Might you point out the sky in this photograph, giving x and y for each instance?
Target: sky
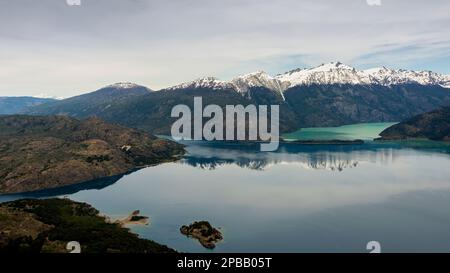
(51, 48)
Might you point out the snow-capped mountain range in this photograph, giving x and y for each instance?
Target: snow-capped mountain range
(339, 73)
(330, 73)
(377, 95)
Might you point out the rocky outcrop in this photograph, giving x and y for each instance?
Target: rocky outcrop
(206, 234)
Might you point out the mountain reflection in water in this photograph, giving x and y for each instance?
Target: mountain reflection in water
(210, 156)
(301, 198)
(213, 155)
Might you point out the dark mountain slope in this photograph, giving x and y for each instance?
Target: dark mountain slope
(151, 111)
(91, 104)
(335, 105)
(16, 105)
(434, 125)
(304, 106)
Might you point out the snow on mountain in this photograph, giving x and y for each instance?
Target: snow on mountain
(446, 82)
(124, 85)
(330, 73)
(324, 74)
(206, 82)
(243, 83)
(339, 73)
(385, 76)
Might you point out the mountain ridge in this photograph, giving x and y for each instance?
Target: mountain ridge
(324, 74)
(13, 105)
(328, 73)
(338, 99)
(90, 104)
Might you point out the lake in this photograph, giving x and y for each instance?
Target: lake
(301, 198)
(364, 131)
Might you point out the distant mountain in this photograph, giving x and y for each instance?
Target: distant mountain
(15, 105)
(329, 95)
(434, 125)
(241, 84)
(52, 151)
(140, 108)
(92, 104)
(326, 74)
(339, 73)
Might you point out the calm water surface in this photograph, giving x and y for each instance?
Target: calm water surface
(365, 131)
(326, 198)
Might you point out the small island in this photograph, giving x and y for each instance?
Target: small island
(204, 232)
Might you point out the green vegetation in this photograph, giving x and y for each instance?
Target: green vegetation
(66, 221)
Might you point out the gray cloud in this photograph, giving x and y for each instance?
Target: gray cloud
(49, 47)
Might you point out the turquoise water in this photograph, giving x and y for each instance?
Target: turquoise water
(364, 131)
(317, 198)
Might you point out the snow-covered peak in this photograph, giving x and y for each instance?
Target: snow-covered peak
(331, 66)
(446, 81)
(387, 76)
(378, 70)
(124, 85)
(339, 73)
(243, 83)
(206, 82)
(329, 73)
(240, 84)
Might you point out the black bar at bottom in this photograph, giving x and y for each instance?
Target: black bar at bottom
(228, 262)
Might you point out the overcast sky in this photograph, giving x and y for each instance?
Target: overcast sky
(48, 47)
